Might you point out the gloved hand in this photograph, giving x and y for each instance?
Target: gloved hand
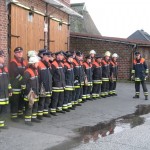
(132, 77)
(76, 81)
(146, 77)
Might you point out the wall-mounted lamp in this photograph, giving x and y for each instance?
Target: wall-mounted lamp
(60, 25)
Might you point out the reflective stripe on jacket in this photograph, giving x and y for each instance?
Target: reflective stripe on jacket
(5, 87)
(17, 69)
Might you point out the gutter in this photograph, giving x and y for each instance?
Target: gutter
(99, 39)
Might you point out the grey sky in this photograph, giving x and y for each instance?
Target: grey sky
(119, 18)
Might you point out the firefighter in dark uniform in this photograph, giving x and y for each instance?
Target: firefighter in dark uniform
(69, 78)
(140, 71)
(45, 82)
(113, 75)
(5, 91)
(31, 83)
(105, 75)
(92, 54)
(97, 77)
(58, 85)
(87, 65)
(17, 68)
(78, 78)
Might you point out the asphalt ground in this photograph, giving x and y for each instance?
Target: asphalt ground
(61, 132)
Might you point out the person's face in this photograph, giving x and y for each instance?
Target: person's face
(51, 58)
(2, 59)
(115, 58)
(107, 57)
(36, 65)
(60, 57)
(19, 54)
(99, 60)
(79, 57)
(138, 56)
(74, 55)
(46, 58)
(92, 55)
(88, 60)
(70, 59)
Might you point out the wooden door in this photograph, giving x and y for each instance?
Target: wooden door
(27, 30)
(58, 36)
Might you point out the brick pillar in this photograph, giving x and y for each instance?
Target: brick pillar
(3, 27)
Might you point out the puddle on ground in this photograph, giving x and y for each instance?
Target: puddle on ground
(92, 133)
(102, 129)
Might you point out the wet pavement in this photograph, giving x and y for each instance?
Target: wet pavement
(117, 121)
(114, 126)
(90, 134)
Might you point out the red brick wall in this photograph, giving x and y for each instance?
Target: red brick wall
(37, 4)
(123, 50)
(3, 26)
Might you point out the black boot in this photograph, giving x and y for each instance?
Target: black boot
(40, 117)
(15, 119)
(4, 127)
(61, 111)
(28, 123)
(67, 110)
(146, 97)
(47, 115)
(35, 120)
(136, 96)
(53, 114)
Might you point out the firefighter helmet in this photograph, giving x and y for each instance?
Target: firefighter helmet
(33, 60)
(92, 52)
(115, 55)
(107, 53)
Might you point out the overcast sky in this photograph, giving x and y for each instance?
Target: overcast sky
(119, 18)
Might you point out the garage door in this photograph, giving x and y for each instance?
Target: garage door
(58, 35)
(27, 30)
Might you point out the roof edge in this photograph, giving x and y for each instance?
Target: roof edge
(110, 39)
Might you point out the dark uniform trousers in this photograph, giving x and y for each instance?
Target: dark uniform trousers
(112, 87)
(31, 112)
(105, 87)
(57, 100)
(17, 105)
(68, 99)
(96, 90)
(3, 111)
(43, 105)
(86, 92)
(81, 94)
(77, 94)
(137, 87)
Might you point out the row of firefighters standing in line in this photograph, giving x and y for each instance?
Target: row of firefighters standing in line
(54, 83)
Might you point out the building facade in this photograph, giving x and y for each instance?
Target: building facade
(123, 47)
(35, 24)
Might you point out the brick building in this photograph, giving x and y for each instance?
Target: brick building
(35, 24)
(3, 26)
(82, 38)
(123, 47)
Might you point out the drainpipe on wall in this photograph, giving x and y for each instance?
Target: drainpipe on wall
(46, 28)
(132, 53)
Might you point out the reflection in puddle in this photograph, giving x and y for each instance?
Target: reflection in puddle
(92, 133)
(103, 129)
